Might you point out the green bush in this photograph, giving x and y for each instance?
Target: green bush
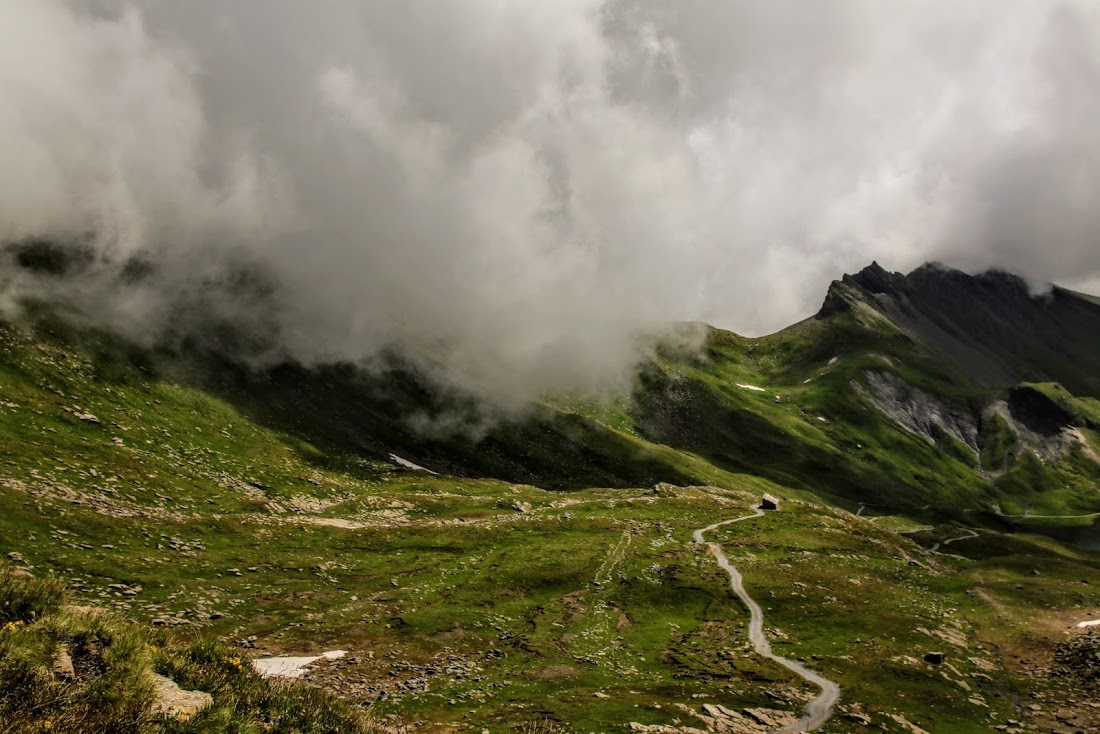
(243, 699)
(24, 598)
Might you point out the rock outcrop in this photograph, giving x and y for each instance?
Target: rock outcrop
(918, 411)
(173, 701)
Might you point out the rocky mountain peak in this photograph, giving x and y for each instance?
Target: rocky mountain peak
(875, 279)
(990, 325)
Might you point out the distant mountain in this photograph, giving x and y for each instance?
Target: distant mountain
(990, 325)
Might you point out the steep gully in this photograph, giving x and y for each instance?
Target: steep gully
(817, 711)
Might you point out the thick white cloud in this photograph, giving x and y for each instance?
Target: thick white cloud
(515, 191)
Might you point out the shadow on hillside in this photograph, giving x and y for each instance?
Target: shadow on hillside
(686, 415)
(351, 413)
(348, 411)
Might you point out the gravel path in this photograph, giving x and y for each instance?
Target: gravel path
(817, 711)
(969, 534)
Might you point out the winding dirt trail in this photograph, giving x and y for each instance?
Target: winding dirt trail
(969, 534)
(817, 711)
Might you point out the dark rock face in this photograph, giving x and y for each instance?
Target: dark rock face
(876, 279)
(1038, 412)
(989, 325)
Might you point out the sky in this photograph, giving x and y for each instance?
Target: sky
(514, 191)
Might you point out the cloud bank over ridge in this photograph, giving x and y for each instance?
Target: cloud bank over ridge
(517, 190)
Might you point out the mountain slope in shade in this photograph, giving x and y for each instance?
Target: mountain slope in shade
(989, 325)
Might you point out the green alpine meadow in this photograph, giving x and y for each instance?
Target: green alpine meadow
(172, 514)
(549, 367)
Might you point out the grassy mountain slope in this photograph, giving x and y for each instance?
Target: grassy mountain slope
(541, 565)
(107, 682)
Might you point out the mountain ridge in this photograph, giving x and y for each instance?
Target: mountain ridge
(990, 325)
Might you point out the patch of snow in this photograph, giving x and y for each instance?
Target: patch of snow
(834, 360)
(822, 418)
(1090, 623)
(286, 666)
(750, 387)
(408, 464)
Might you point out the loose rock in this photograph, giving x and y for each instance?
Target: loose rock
(171, 700)
(63, 664)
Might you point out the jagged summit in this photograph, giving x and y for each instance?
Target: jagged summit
(876, 279)
(990, 324)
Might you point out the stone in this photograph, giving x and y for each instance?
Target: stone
(663, 489)
(171, 700)
(718, 711)
(63, 664)
(759, 717)
(935, 658)
(907, 725)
